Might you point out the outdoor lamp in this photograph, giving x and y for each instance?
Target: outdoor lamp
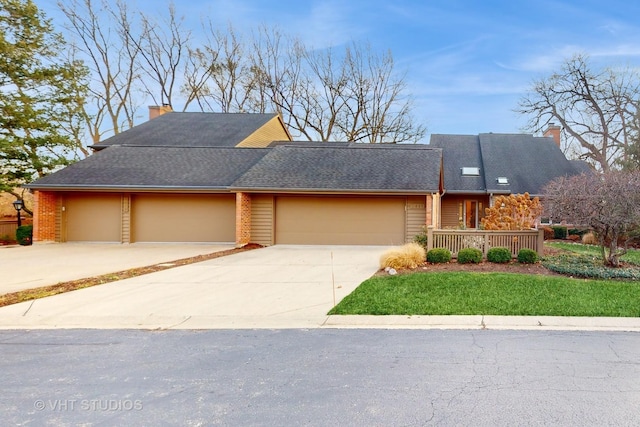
(18, 205)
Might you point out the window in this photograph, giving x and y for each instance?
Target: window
(503, 180)
(469, 171)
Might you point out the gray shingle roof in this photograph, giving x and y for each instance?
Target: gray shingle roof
(581, 166)
(527, 162)
(155, 167)
(460, 151)
(370, 168)
(191, 130)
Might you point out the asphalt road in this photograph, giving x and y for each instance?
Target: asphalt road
(324, 377)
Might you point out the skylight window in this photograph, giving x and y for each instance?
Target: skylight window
(469, 171)
(503, 180)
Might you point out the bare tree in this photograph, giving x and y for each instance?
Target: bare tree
(102, 37)
(218, 75)
(379, 109)
(351, 94)
(631, 158)
(595, 109)
(277, 67)
(609, 203)
(162, 49)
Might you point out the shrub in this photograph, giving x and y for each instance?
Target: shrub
(559, 232)
(577, 232)
(573, 237)
(421, 238)
(548, 233)
(407, 256)
(499, 255)
(24, 234)
(439, 255)
(469, 255)
(589, 238)
(527, 256)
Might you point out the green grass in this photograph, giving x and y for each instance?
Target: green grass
(465, 293)
(632, 256)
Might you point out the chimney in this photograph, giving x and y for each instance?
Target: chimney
(158, 110)
(553, 131)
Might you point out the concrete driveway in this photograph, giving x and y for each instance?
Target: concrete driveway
(28, 267)
(274, 287)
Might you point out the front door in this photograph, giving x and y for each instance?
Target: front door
(473, 212)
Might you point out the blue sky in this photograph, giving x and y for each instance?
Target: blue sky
(467, 62)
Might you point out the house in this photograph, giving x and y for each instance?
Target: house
(477, 168)
(202, 177)
(212, 177)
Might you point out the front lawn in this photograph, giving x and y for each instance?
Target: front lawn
(468, 293)
(632, 256)
(580, 260)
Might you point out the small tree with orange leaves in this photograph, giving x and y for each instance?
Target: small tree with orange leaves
(513, 212)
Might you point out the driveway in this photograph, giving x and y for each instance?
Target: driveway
(273, 287)
(28, 267)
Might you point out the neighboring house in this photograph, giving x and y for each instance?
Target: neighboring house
(211, 177)
(479, 167)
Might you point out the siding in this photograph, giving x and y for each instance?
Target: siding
(126, 218)
(262, 220)
(416, 216)
(451, 211)
(273, 130)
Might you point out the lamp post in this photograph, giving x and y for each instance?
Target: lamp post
(18, 205)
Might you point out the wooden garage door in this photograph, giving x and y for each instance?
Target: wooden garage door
(183, 218)
(92, 217)
(340, 220)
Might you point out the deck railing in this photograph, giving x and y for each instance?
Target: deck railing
(514, 240)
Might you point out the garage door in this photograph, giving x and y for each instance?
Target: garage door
(340, 221)
(183, 218)
(92, 217)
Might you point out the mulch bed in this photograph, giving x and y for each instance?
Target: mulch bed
(484, 267)
(45, 291)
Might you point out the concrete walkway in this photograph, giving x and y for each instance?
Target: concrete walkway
(274, 287)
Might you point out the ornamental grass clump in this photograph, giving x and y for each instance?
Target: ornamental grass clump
(410, 255)
(469, 256)
(439, 256)
(589, 238)
(499, 255)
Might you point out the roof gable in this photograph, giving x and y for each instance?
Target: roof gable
(201, 130)
(528, 163)
(458, 152)
(509, 163)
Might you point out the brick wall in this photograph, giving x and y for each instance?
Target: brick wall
(44, 216)
(243, 219)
